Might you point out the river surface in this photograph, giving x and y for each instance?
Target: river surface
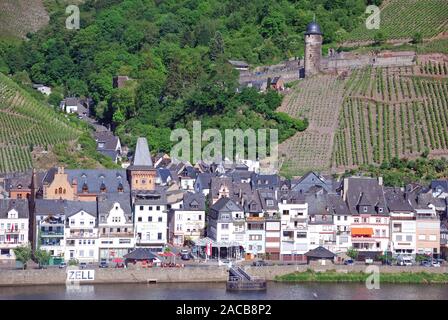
(217, 291)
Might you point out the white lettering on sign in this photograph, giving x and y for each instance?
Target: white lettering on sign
(80, 275)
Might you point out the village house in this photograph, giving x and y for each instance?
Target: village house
(188, 221)
(46, 90)
(49, 225)
(226, 221)
(321, 227)
(402, 223)
(202, 183)
(83, 184)
(81, 231)
(108, 144)
(427, 226)
(14, 224)
(254, 243)
(119, 81)
(342, 221)
(74, 105)
(116, 228)
(151, 219)
(276, 83)
(293, 211)
(370, 224)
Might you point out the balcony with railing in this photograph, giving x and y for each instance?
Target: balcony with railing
(54, 233)
(119, 234)
(81, 235)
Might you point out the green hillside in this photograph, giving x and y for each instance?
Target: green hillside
(404, 18)
(25, 123)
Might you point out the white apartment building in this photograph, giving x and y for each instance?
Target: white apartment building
(188, 221)
(151, 220)
(293, 211)
(116, 228)
(81, 231)
(226, 221)
(14, 224)
(403, 225)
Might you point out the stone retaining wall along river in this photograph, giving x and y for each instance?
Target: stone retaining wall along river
(187, 274)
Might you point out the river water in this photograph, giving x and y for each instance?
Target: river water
(217, 291)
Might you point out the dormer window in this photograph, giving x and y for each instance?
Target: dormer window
(101, 145)
(120, 187)
(19, 186)
(85, 188)
(103, 188)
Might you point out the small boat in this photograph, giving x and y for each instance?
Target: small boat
(239, 280)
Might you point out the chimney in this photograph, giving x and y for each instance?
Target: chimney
(345, 188)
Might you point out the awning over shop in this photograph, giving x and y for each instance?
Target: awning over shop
(362, 232)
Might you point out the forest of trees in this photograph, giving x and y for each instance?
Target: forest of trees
(176, 52)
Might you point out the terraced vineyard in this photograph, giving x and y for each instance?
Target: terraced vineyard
(318, 99)
(403, 18)
(393, 112)
(25, 123)
(18, 17)
(371, 116)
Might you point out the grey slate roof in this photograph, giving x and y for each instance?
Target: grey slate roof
(141, 254)
(49, 207)
(73, 207)
(312, 182)
(265, 181)
(110, 141)
(21, 206)
(397, 201)
(164, 174)
(226, 205)
(193, 199)
(112, 178)
(291, 197)
(142, 156)
(363, 191)
(441, 185)
(268, 200)
(320, 253)
(156, 197)
(204, 179)
(105, 205)
(19, 180)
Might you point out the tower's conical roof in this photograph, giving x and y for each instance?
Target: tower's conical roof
(142, 156)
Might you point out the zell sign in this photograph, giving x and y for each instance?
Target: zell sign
(80, 275)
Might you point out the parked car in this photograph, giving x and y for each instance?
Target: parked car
(62, 265)
(103, 264)
(349, 262)
(120, 265)
(369, 261)
(425, 263)
(435, 263)
(184, 251)
(405, 262)
(185, 256)
(259, 263)
(83, 265)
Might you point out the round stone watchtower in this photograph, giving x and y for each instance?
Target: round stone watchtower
(313, 48)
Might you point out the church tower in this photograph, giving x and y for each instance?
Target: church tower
(313, 48)
(142, 174)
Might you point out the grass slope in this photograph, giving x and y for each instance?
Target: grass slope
(403, 18)
(26, 123)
